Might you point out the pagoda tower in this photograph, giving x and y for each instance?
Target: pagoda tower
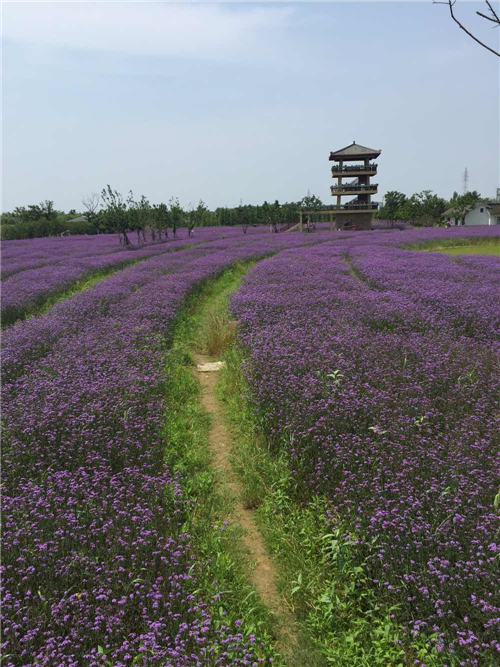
(357, 212)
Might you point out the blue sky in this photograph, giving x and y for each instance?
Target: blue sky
(242, 100)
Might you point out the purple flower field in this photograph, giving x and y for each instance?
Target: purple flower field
(96, 567)
(35, 269)
(381, 367)
(33, 253)
(382, 364)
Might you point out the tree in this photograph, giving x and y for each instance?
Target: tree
(469, 198)
(47, 210)
(493, 18)
(276, 216)
(424, 208)
(224, 216)
(161, 218)
(311, 201)
(196, 216)
(391, 207)
(290, 213)
(462, 204)
(91, 204)
(139, 214)
(176, 214)
(115, 213)
(243, 216)
(311, 204)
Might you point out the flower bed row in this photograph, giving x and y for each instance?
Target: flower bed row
(97, 568)
(34, 253)
(381, 367)
(64, 261)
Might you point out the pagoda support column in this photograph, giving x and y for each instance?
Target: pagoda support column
(339, 183)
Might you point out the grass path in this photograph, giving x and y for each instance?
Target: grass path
(201, 445)
(274, 559)
(263, 574)
(279, 566)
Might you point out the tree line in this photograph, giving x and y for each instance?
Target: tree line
(136, 220)
(424, 209)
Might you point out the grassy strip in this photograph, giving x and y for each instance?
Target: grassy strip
(443, 244)
(41, 306)
(221, 561)
(356, 273)
(330, 594)
(486, 249)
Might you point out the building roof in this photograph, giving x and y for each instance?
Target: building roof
(354, 152)
(80, 218)
(454, 211)
(494, 209)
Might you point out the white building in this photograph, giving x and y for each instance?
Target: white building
(482, 213)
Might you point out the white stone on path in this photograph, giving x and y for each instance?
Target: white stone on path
(210, 366)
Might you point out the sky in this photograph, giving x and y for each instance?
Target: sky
(242, 101)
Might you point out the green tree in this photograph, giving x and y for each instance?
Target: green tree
(115, 213)
(391, 207)
(431, 207)
(176, 215)
(422, 208)
(311, 202)
(197, 216)
(161, 219)
(461, 204)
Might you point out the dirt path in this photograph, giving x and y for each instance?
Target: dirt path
(263, 575)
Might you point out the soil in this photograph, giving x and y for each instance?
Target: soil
(263, 575)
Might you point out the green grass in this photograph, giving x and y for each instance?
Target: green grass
(478, 245)
(480, 249)
(221, 561)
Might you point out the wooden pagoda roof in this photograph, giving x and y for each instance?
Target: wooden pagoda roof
(354, 152)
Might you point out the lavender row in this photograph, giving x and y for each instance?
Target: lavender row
(460, 297)
(97, 566)
(26, 291)
(34, 253)
(64, 261)
(27, 341)
(390, 403)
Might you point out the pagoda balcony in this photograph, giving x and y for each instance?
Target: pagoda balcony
(356, 207)
(367, 188)
(354, 170)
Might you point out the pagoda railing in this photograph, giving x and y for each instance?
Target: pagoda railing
(372, 206)
(355, 167)
(354, 188)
